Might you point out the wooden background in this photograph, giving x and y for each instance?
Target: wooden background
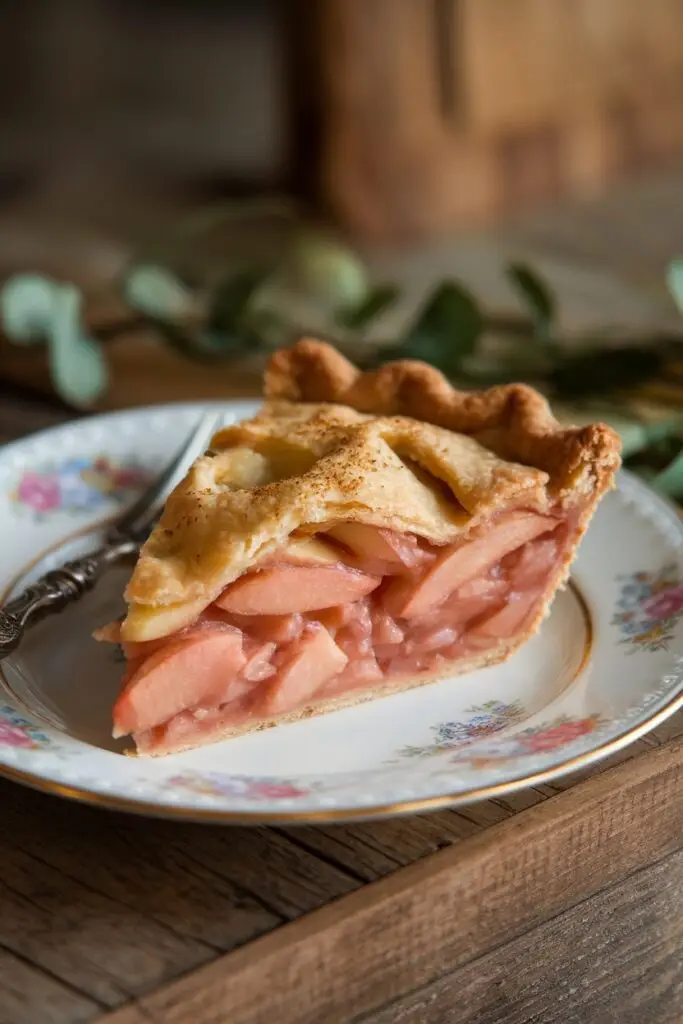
(443, 113)
(402, 118)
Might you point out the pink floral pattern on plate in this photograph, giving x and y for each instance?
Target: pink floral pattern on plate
(17, 731)
(78, 485)
(648, 608)
(217, 784)
(490, 718)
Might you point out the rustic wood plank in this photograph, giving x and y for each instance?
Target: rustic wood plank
(376, 848)
(435, 916)
(94, 943)
(615, 957)
(126, 858)
(287, 880)
(115, 905)
(29, 996)
(140, 864)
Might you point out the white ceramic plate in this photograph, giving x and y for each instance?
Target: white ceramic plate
(605, 668)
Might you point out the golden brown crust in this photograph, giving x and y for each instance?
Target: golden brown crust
(513, 420)
(398, 448)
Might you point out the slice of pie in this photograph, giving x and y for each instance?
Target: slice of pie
(365, 533)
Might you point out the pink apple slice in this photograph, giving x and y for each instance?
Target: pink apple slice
(337, 617)
(314, 660)
(353, 646)
(508, 620)
(372, 542)
(258, 665)
(412, 664)
(481, 587)
(470, 601)
(280, 629)
(292, 588)
(192, 728)
(405, 599)
(182, 674)
(386, 630)
(360, 621)
(358, 675)
(532, 564)
(432, 639)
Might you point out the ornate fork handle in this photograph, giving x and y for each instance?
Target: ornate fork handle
(55, 591)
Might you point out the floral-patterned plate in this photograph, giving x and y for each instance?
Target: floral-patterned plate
(605, 667)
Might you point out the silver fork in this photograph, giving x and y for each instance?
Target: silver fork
(61, 587)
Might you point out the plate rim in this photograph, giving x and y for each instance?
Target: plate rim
(208, 815)
(342, 815)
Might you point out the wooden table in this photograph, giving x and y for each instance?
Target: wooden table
(561, 903)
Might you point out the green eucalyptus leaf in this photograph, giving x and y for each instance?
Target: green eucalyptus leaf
(230, 300)
(26, 305)
(156, 291)
(375, 302)
(674, 280)
(536, 296)
(670, 480)
(269, 328)
(447, 329)
(230, 328)
(79, 372)
(205, 346)
(327, 270)
(601, 371)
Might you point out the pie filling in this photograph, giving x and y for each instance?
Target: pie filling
(352, 609)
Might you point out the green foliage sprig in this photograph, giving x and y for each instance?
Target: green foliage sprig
(316, 285)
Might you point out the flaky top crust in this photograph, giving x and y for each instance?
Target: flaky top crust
(398, 448)
(513, 420)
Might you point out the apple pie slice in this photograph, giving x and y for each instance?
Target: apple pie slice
(365, 533)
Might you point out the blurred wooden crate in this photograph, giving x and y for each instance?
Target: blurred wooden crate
(444, 113)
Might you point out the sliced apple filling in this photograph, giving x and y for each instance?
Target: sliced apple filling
(354, 609)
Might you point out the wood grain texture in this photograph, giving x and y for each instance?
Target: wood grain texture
(435, 916)
(31, 996)
(151, 868)
(613, 958)
(89, 940)
(114, 905)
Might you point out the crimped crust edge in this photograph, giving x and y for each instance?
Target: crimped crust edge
(513, 420)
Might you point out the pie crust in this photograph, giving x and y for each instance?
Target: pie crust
(386, 475)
